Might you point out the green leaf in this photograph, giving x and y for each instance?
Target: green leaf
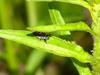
(82, 68)
(33, 61)
(97, 1)
(53, 45)
(78, 26)
(57, 19)
(78, 2)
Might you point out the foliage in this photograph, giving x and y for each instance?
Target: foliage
(57, 45)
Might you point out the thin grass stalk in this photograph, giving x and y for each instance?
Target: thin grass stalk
(36, 57)
(6, 23)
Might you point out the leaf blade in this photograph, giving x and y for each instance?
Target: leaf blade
(49, 46)
(77, 2)
(82, 68)
(57, 18)
(78, 26)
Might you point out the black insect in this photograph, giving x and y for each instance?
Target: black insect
(40, 35)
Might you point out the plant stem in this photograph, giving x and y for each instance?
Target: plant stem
(96, 54)
(34, 61)
(31, 12)
(36, 57)
(6, 23)
(96, 29)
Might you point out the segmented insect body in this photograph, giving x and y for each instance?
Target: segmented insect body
(40, 35)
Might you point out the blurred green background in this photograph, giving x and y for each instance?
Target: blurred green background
(18, 59)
